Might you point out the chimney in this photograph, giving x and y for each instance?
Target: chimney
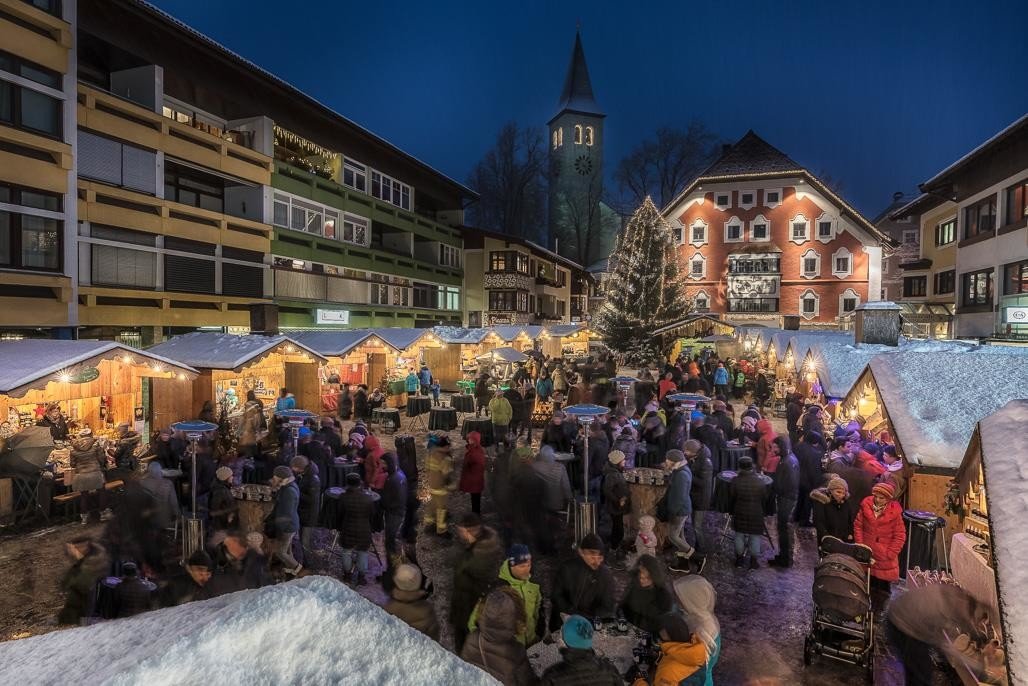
(791, 322)
(897, 195)
(264, 319)
(877, 322)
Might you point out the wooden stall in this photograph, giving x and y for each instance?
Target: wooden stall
(520, 338)
(687, 333)
(229, 366)
(930, 402)
(96, 383)
(570, 341)
(348, 361)
(455, 359)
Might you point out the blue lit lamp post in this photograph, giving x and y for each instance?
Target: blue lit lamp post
(295, 419)
(192, 527)
(624, 383)
(690, 400)
(585, 515)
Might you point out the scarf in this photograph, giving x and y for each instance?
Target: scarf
(878, 510)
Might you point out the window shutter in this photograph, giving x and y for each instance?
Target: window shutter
(239, 280)
(99, 158)
(188, 275)
(139, 169)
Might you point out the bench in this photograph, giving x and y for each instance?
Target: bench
(70, 500)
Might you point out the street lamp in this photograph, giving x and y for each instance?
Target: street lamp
(690, 400)
(192, 527)
(585, 517)
(295, 419)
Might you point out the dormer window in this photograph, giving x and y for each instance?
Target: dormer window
(588, 135)
(772, 197)
(578, 134)
(722, 200)
(747, 199)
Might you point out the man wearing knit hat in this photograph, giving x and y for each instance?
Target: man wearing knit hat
(474, 570)
(580, 664)
(285, 517)
(583, 584)
(190, 584)
(223, 507)
(616, 501)
(516, 572)
(679, 513)
(410, 603)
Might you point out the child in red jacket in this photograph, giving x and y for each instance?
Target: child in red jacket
(472, 475)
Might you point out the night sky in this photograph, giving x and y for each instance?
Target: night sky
(877, 95)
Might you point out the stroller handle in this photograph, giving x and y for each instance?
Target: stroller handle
(830, 545)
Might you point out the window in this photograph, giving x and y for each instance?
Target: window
(702, 301)
(355, 229)
(799, 229)
(946, 232)
(118, 266)
(30, 242)
(699, 233)
(723, 200)
(810, 266)
(30, 197)
(677, 231)
(980, 217)
(508, 301)
(25, 108)
(759, 229)
(754, 264)
(810, 305)
(848, 301)
(588, 135)
(946, 282)
(119, 164)
(389, 189)
(562, 278)
(355, 175)
(29, 70)
(842, 263)
(910, 237)
(49, 6)
(508, 261)
(1015, 278)
(915, 286)
(1017, 203)
(753, 304)
(733, 230)
(697, 266)
(449, 298)
(772, 198)
(193, 188)
(449, 256)
(976, 288)
(825, 229)
(554, 137)
(578, 134)
(746, 199)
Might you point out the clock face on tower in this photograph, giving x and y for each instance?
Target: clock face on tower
(584, 165)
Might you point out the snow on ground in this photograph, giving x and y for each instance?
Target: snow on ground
(935, 399)
(1004, 447)
(309, 631)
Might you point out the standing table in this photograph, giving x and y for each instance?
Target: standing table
(482, 425)
(387, 418)
(463, 403)
(418, 405)
(731, 454)
(442, 419)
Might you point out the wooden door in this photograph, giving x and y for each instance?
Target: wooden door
(302, 382)
(376, 369)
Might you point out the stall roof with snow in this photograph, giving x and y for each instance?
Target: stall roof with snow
(801, 343)
(838, 365)
(213, 350)
(934, 399)
(400, 338)
(505, 354)
(456, 334)
(508, 332)
(308, 631)
(563, 330)
(334, 343)
(1001, 444)
(31, 363)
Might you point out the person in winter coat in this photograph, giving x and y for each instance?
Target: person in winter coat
(812, 421)
(810, 453)
(720, 419)
(879, 526)
(475, 567)
(647, 597)
(841, 462)
(556, 484)
(482, 394)
(697, 599)
(682, 655)
(409, 601)
(394, 501)
(133, 595)
(793, 415)
(493, 646)
(583, 584)
(767, 435)
(555, 435)
(746, 503)
(721, 380)
(705, 430)
(679, 511)
(412, 383)
(626, 443)
(440, 482)
(834, 510)
(786, 488)
(163, 510)
(895, 472)
(544, 387)
(89, 565)
(285, 517)
(345, 403)
(762, 392)
(374, 471)
(702, 489)
(501, 412)
(89, 462)
(239, 564)
(360, 403)
(424, 379)
(516, 573)
(616, 499)
(250, 427)
(310, 499)
(356, 508)
(224, 509)
(472, 473)
(580, 666)
(285, 401)
(191, 584)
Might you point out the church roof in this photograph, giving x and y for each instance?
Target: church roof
(577, 95)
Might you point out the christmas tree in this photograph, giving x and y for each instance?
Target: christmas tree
(644, 291)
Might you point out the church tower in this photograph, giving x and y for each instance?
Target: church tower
(576, 158)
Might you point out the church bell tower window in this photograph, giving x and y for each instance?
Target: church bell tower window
(588, 135)
(578, 134)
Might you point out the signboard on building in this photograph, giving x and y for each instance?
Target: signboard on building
(332, 316)
(1016, 315)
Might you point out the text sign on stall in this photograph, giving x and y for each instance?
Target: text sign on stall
(84, 375)
(1016, 315)
(332, 316)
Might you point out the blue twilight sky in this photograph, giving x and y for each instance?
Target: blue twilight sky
(878, 95)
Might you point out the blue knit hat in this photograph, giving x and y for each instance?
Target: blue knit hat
(304, 432)
(518, 554)
(696, 414)
(577, 632)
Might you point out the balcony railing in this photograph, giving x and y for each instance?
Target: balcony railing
(753, 304)
(769, 267)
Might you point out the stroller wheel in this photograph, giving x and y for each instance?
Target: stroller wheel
(808, 651)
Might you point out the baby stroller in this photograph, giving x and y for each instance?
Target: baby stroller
(842, 626)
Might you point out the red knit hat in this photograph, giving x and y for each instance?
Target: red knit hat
(884, 489)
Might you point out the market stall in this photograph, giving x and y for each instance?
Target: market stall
(520, 338)
(990, 558)
(348, 362)
(686, 334)
(230, 366)
(930, 402)
(406, 352)
(566, 340)
(501, 362)
(455, 360)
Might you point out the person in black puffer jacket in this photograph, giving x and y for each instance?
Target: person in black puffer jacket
(394, 501)
(701, 492)
(475, 567)
(647, 597)
(355, 510)
(834, 510)
(786, 487)
(133, 595)
(581, 665)
(310, 499)
(583, 584)
(746, 496)
(810, 452)
(494, 646)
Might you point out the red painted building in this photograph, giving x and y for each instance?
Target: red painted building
(762, 238)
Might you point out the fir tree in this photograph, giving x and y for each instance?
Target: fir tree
(644, 291)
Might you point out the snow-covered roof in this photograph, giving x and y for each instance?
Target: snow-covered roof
(878, 305)
(780, 341)
(214, 350)
(562, 330)
(505, 354)
(934, 399)
(28, 361)
(1004, 443)
(401, 338)
(838, 365)
(802, 342)
(336, 342)
(763, 338)
(262, 636)
(456, 334)
(508, 332)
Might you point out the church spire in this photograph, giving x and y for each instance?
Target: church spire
(578, 90)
